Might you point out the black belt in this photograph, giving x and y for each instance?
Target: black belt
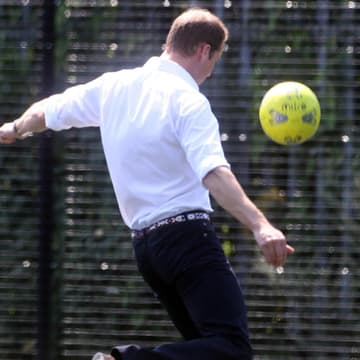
(180, 218)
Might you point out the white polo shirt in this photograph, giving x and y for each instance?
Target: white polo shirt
(159, 135)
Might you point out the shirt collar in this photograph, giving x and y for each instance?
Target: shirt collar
(172, 67)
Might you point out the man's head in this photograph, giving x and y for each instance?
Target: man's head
(194, 27)
(196, 40)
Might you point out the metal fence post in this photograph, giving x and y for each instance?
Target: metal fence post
(46, 190)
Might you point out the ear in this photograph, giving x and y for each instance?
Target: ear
(203, 51)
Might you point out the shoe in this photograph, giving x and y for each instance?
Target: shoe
(101, 356)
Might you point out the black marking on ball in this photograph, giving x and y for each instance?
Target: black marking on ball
(293, 106)
(292, 140)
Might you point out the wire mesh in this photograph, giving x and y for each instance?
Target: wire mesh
(308, 309)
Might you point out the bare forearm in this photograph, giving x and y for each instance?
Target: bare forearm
(31, 121)
(229, 194)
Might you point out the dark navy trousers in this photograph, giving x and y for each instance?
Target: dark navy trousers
(185, 266)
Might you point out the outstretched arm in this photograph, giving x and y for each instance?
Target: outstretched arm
(32, 120)
(229, 194)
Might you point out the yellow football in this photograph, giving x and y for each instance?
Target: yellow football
(290, 113)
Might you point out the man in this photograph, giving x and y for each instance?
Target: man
(164, 154)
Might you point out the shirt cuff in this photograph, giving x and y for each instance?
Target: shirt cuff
(210, 164)
(52, 109)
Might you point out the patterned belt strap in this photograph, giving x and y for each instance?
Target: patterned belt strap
(190, 216)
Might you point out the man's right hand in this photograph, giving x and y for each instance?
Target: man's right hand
(272, 243)
(8, 133)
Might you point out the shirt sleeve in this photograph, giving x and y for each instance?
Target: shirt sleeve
(198, 132)
(78, 106)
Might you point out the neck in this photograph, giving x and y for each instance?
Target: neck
(188, 63)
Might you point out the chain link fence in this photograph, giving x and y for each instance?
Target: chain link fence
(69, 285)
